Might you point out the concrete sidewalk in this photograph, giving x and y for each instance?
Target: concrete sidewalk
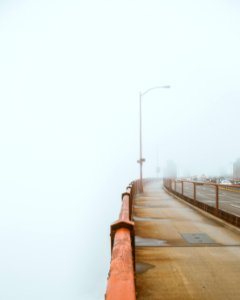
(182, 253)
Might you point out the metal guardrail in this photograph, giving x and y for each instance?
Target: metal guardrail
(121, 278)
(187, 190)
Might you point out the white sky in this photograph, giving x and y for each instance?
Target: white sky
(70, 77)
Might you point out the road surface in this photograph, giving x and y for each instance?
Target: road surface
(182, 253)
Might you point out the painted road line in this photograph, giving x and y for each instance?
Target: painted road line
(230, 189)
(233, 205)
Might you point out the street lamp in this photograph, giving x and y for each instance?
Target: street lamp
(141, 159)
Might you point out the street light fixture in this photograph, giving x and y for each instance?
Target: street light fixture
(141, 159)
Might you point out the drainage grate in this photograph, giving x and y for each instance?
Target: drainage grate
(197, 238)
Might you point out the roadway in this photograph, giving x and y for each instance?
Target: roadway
(229, 196)
(182, 253)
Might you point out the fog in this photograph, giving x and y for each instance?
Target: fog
(70, 77)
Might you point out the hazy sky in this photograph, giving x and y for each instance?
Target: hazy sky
(70, 77)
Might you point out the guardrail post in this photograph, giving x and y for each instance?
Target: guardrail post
(217, 196)
(194, 191)
(182, 187)
(175, 185)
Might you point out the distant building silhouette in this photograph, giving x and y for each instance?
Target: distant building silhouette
(171, 170)
(236, 169)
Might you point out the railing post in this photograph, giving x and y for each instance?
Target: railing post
(217, 196)
(175, 185)
(194, 191)
(182, 187)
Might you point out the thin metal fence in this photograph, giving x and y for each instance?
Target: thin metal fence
(220, 200)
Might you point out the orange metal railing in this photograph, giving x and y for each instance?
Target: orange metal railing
(121, 279)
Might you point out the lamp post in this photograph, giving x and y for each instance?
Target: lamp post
(141, 159)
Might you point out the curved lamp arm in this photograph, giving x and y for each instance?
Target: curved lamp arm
(156, 87)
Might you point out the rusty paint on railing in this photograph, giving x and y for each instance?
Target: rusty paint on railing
(121, 282)
(121, 279)
(125, 211)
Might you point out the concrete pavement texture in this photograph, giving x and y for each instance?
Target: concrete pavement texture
(182, 253)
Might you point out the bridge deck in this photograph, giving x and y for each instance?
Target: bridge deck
(182, 253)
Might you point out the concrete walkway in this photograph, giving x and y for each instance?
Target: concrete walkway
(182, 253)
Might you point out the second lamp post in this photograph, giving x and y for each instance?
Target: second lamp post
(141, 159)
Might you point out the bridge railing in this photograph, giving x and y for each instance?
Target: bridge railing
(121, 278)
(217, 199)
